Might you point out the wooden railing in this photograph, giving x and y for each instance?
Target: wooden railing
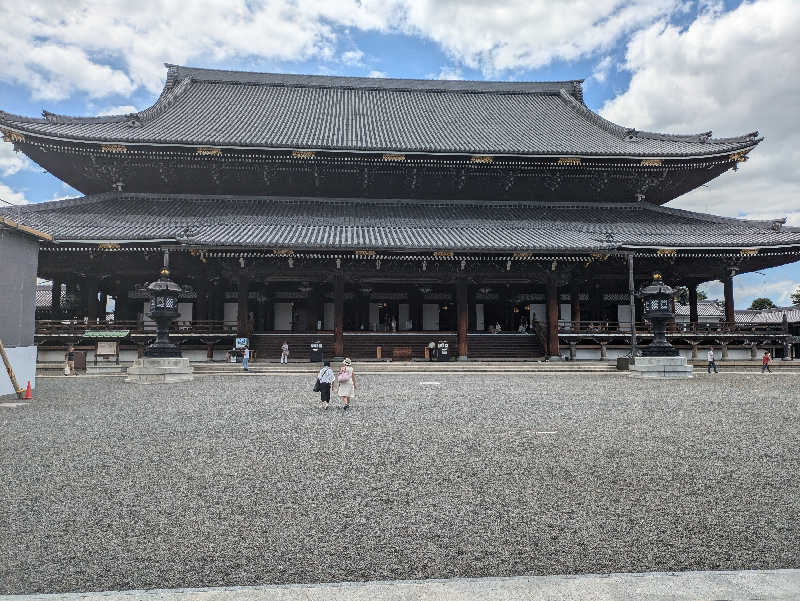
(77, 327)
(623, 327)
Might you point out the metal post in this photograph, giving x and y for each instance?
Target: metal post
(632, 305)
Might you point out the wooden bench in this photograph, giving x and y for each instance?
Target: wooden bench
(401, 353)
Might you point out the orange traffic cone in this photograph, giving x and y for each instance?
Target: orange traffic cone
(28, 393)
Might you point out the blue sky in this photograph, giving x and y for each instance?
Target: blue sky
(664, 65)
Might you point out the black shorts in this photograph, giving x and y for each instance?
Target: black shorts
(325, 392)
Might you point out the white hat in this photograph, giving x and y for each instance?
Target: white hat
(347, 362)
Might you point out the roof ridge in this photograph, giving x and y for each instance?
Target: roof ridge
(179, 73)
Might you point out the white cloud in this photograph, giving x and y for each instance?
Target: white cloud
(747, 287)
(449, 73)
(527, 33)
(732, 72)
(118, 110)
(601, 69)
(12, 162)
(9, 195)
(376, 73)
(54, 48)
(352, 57)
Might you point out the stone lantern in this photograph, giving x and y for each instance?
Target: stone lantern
(162, 362)
(659, 309)
(659, 359)
(163, 310)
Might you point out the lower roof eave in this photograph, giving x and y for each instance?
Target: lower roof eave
(744, 147)
(712, 248)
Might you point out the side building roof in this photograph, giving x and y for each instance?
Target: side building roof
(396, 225)
(205, 107)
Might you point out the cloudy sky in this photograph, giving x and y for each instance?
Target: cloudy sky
(665, 65)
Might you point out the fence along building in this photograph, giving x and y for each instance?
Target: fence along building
(339, 207)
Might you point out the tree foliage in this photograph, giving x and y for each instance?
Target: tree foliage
(796, 295)
(762, 303)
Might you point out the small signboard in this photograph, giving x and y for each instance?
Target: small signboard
(107, 348)
(241, 342)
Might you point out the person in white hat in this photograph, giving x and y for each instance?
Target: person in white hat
(346, 383)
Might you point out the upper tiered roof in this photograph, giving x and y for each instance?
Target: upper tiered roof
(205, 107)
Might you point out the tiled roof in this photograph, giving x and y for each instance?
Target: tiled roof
(705, 308)
(714, 308)
(314, 223)
(232, 108)
(769, 315)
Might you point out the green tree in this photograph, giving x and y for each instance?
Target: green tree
(762, 303)
(796, 295)
(701, 295)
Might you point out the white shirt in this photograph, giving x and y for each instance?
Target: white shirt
(710, 355)
(326, 375)
(247, 353)
(285, 348)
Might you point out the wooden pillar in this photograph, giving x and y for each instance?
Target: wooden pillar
(201, 306)
(102, 306)
(73, 299)
(575, 310)
(91, 300)
(317, 308)
(415, 308)
(552, 319)
(693, 302)
(596, 302)
(730, 316)
(338, 317)
(243, 293)
(473, 318)
(269, 311)
(55, 297)
(462, 306)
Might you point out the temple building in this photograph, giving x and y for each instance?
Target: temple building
(370, 212)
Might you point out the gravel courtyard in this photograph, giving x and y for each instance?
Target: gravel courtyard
(243, 480)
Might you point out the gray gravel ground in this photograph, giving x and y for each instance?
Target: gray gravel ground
(240, 481)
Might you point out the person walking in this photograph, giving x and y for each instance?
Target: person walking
(765, 361)
(346, 388)
(711, 361)
(245, 357)
(69, 361)
(285, 352)
(325, 377)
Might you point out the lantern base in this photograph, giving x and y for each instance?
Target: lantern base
(162, 351)
(160, 370)
(653, 350)
(661, 367)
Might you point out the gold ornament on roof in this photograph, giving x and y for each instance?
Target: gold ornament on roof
(12, 136)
